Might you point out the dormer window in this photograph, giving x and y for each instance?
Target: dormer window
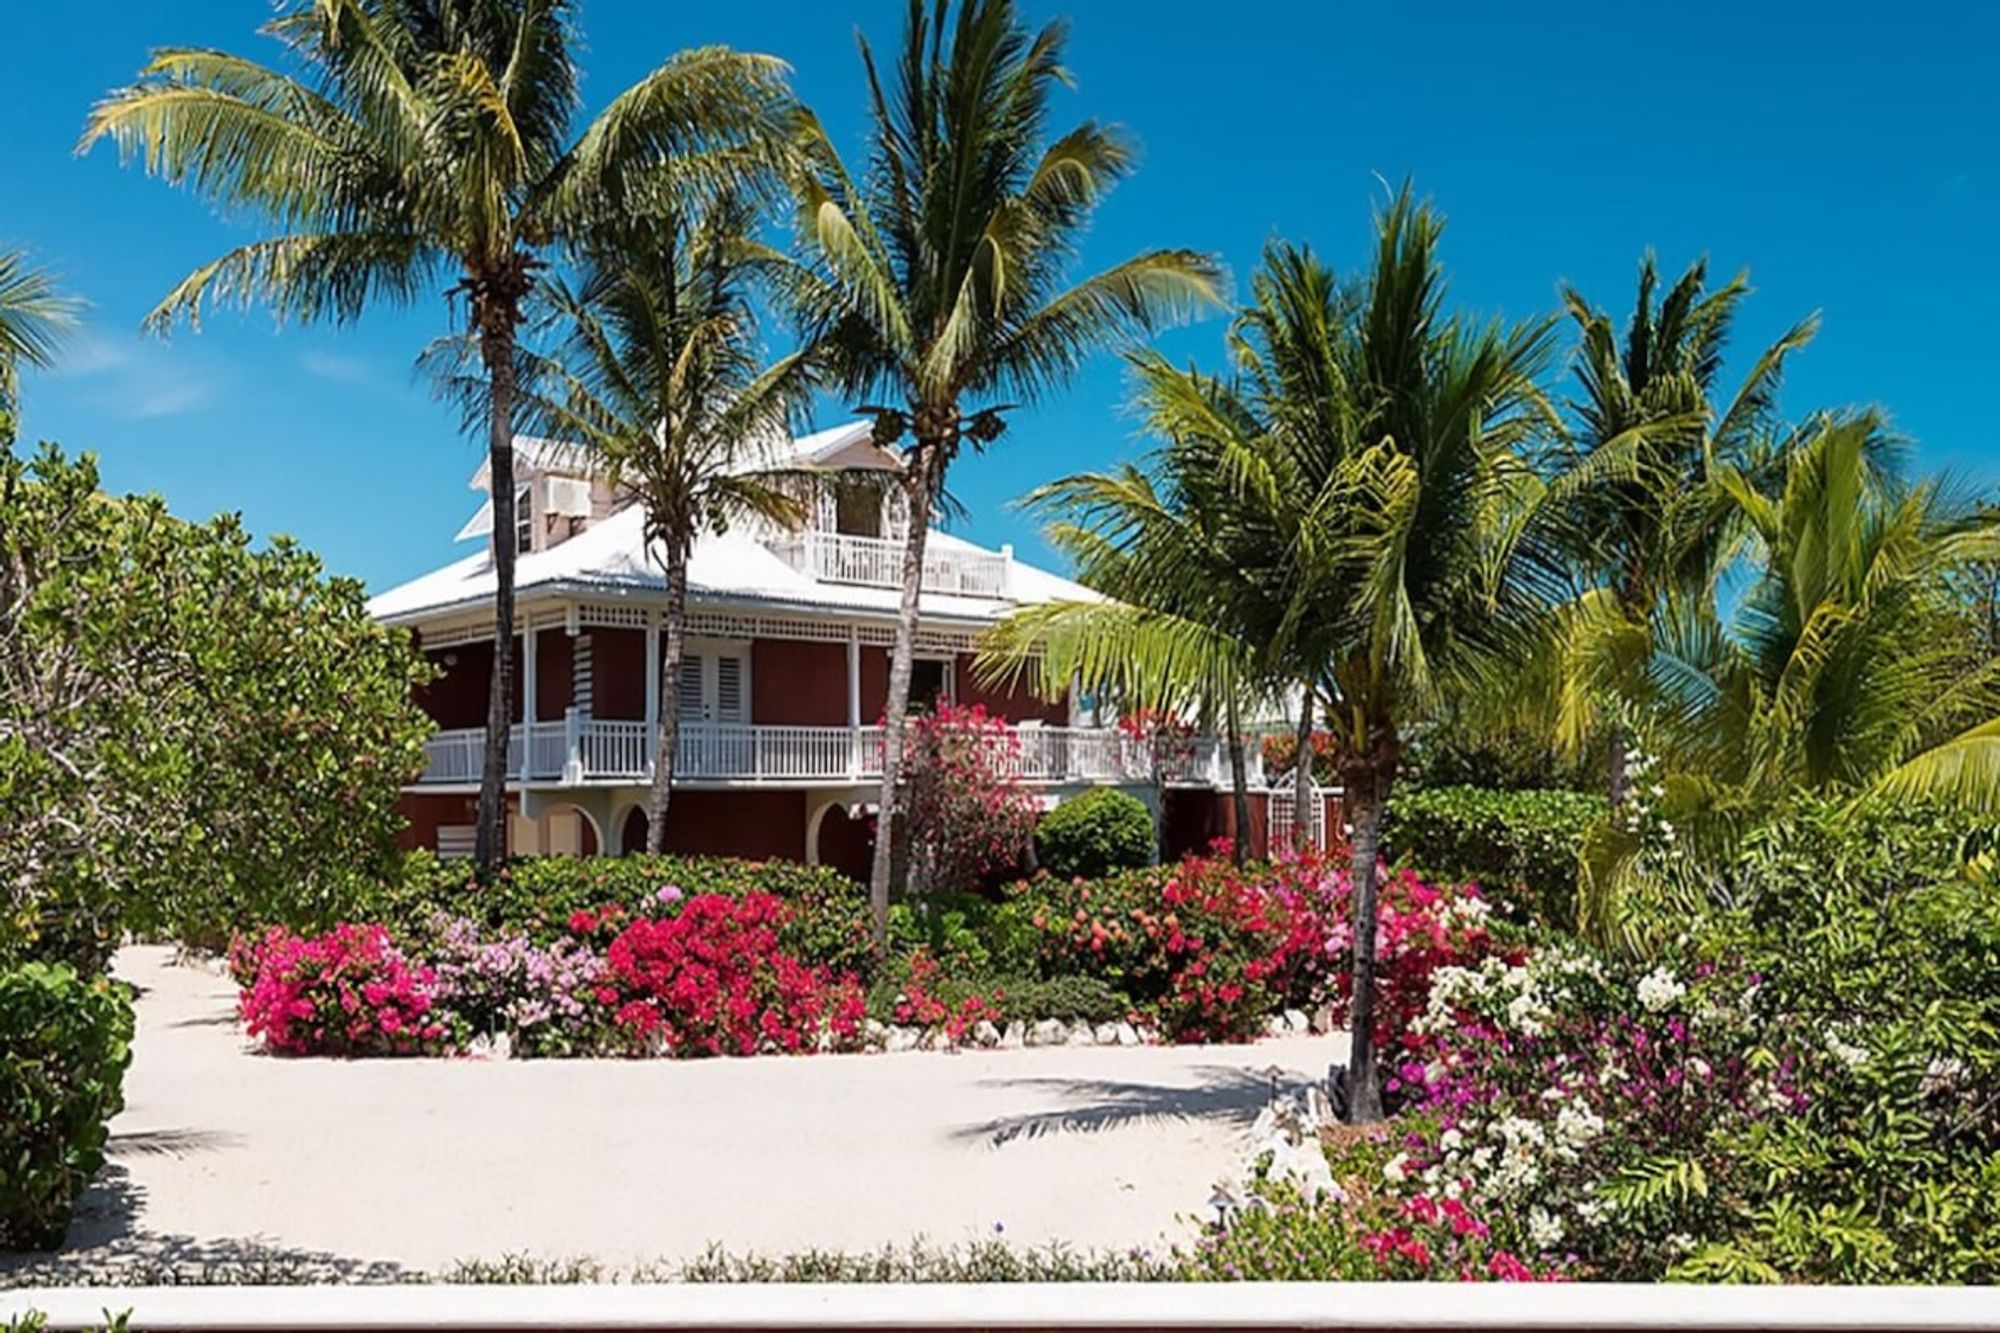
(524, 520)
(857, 509)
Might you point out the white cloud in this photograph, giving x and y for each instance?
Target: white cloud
(340, 369)
(142, 379)
(165, 401)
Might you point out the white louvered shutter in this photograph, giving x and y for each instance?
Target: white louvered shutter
(690, 688)
(729, 702)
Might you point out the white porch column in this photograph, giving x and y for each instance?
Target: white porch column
(529, 642)
(853, 700)
(652, 688)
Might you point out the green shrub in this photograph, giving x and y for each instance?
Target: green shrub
(968, 934)
(898, 996)
(1521, 845)
(64, 1045)
(537, 895)
(1099, 832)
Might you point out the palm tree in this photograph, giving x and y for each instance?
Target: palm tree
(659, 375)
(1190, 619)
(33, 320)
(940, 282)
(1642, 520)
(1848, 669)
(424, 139)
(1139, 649)
(1373, 454)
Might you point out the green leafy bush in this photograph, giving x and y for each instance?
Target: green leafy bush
(1803, 1087)
(198, 735)
(1520, 845)
(538, 895)
(1101, 831)
(64, 1046)
(969, 934)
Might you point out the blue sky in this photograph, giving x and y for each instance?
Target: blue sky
(1845, 154)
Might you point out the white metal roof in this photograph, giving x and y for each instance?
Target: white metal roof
(733, 567)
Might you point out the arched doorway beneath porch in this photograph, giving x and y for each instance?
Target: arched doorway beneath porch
(632, 832)
(844, 841)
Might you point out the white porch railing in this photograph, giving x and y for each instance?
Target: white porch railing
(877, 562)
(580, 749)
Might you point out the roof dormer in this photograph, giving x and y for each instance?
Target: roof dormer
(558, 493)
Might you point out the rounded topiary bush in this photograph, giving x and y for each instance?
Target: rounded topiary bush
(1096, 833)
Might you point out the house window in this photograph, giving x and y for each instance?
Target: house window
(857, 509)
(930, 683)
(524, 520)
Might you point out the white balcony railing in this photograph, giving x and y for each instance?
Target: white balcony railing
(580, 750)
(877, 562)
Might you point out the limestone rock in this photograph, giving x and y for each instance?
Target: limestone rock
(1048, 1032)
(1127, 1035)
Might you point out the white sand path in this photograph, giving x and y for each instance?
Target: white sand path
(386, 1165)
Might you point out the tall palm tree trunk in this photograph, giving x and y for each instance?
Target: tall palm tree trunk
(669, 667)
(1367, 782)
(889, 822)
(496, 351)
(1302, 778)
(1620, 765)
(1239, 788)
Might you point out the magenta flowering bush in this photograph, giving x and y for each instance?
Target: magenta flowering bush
(970, 817)
(347, 992)
(1209, 950)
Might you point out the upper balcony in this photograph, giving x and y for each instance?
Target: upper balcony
(877, 562)
(581, 751)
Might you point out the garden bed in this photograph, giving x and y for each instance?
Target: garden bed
(646, 957)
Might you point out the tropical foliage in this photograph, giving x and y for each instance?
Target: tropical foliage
(940, 284)
(1342, 508)
(195, 735)
(33, 318)
(425, 143)
(64, 1043)
(657, 378)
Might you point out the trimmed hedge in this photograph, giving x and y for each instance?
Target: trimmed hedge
(538, 895)
(1098, 833)
(64, 1046)
(1520, 844)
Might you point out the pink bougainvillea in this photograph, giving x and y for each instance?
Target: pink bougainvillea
(1213, 949)
(347, 992)
(970, 818)
(712, 980)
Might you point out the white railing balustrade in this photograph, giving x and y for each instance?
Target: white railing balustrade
(877, 562)
(581, 749)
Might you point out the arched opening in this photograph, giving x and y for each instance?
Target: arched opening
(844, 841)
(567, 830)
(632, 832)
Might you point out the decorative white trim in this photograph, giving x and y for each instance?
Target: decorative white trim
(611, 615)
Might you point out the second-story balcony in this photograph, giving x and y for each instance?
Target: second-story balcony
(877, 562)
(580, 750)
